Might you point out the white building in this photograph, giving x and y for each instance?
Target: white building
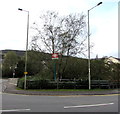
(112, 60)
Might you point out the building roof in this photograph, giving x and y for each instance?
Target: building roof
(113, 60)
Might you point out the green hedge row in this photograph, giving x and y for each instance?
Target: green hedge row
(48, 84)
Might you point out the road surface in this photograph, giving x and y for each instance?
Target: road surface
(26, 103)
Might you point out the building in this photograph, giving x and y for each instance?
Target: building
(111, 59)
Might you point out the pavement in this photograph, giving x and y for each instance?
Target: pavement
(12, 89)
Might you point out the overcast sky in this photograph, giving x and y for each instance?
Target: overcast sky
(103, 22)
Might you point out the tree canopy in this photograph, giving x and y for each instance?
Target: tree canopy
(64, 35)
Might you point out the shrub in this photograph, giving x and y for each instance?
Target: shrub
(20, 83)
(32, 82)
(39, 83)
(66, 85)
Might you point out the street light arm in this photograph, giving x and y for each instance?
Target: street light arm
(95, 6)
(23, 10)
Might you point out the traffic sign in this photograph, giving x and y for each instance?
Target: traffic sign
(25, 72)
(55, 56)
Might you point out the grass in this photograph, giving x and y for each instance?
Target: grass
(65, 89)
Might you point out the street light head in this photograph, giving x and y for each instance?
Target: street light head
(99, 3)
(20, 9)
(23, 10)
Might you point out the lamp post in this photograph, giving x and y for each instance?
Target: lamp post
(89, 76)
(25, 73)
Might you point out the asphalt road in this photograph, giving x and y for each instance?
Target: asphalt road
(25, 103)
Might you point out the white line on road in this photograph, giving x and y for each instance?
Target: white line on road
(14, 110)
(91, 105)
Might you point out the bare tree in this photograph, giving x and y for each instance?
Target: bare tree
(64, 35)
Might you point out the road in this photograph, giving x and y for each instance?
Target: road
(25, 103)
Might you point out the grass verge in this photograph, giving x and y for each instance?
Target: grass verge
(64, 89)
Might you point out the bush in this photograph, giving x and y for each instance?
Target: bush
(82, 84)
(45, 84)
(52, 85)
(39, 83)
(67, 85)
(20, 83)
(35, 84)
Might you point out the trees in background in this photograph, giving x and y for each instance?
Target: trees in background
(19, 71)
(99, 70)
(41, 65)
(76, 69)
(14, 65)
(34, 62)
(9, 64)
(114, 72)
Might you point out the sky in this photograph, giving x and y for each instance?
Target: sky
(103, 22)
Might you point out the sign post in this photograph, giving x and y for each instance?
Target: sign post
(55, 56)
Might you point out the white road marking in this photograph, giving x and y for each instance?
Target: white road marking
(91, 105)
(14, 110)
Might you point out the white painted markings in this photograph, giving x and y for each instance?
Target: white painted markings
(91, 105)
(14, 110)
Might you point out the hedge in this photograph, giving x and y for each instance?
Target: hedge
(48, 84)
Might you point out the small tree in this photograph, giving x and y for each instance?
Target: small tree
(9, 64)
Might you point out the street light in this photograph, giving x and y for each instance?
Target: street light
(25, 73)
(89, 77)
